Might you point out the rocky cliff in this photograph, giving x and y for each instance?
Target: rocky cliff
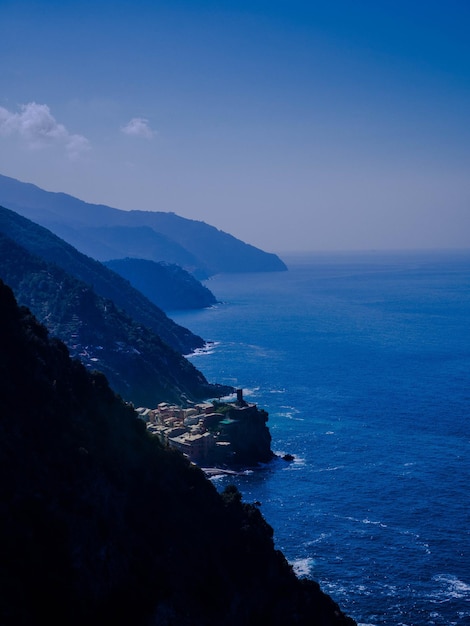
(99, 524)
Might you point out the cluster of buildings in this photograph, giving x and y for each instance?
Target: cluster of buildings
(200, 432)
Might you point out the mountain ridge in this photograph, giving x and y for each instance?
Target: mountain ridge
(210, 250)
(41, 242)
(138, 364)
(167, 285)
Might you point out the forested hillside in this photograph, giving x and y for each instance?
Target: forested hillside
(106, 283)
(101, 525)
(140, 367)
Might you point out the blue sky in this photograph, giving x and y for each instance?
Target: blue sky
(292, 125)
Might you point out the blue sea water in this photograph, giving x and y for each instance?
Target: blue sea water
(363, 363)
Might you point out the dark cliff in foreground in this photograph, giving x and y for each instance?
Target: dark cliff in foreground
(99, 524)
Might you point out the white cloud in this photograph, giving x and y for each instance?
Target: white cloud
(38, 128)
(138, 127)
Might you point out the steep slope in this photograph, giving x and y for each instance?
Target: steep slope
(106, 233)
(140, 367)
(101, 525)
(218, 251)
(168, 286)
(106, 283)
(110, 242)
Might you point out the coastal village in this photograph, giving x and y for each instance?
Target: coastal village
(213, 434)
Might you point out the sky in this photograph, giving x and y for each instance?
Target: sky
(340, 125)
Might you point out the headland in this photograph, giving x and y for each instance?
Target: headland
(219, 434)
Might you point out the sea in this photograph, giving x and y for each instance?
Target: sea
(362, 361)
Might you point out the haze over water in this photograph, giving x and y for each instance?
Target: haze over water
(363, 363)
(295, 125)
(292, 125)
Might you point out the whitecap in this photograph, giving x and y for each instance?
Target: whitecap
(330, 469)
(319, 539)
(302, 567)
(292, 409)
(368, 521)
(455, 588)
(290, 416)
(207, 348)
(295, 465)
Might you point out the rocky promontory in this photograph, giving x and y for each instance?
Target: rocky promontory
(213, 434)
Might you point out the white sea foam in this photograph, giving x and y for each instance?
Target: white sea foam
(319, 539)
(289, 416)
(207, 348)
(453, 586)
(367, 521)
(330, 469)
(302, 567)
(297, 464)
(290, 413)
(250, 391)
(292, 409)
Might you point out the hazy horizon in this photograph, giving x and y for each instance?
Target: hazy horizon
(293, 126)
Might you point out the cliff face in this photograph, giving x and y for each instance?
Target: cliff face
(244, 426)
(100, 524)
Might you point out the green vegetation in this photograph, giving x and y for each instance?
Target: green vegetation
(140, 367)
(106, 283)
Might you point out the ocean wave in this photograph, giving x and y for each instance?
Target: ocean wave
(292, 409)
(319, 539)
(302, 567)
(366, 520)
(290, 413)
(330, 469)
(297, 464)
(453, 587)
(207, 348)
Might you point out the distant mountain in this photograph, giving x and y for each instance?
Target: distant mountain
(168, 286)
(140, 367)
(106, 283)
(105, 233)
(99, 524)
